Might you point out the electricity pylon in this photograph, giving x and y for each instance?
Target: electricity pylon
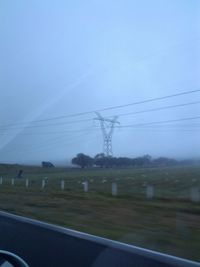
(107, 127)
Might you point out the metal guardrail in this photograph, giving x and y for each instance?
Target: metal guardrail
(43, 244)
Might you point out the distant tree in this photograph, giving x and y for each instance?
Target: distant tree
(100, 160)
(82, 160)
(162, 161)
(143, 161)
(138, 162)
(147, 160)
(103, 161)
(123, 162)
(110, 162)
(47, 164)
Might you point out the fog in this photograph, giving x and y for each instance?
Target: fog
(66, 57)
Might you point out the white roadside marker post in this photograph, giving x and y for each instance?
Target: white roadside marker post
(194, 194)
(27, 183)
(114, 188)
(62, 184)
(85, 186)
(43, 184)
(150, 191)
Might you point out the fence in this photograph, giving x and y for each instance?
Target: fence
(114, 188)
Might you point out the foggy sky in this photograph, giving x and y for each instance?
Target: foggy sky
(64, 57)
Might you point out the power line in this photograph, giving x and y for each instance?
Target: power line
(51, 145)
(122, 114)
(150, 100)
(160, 130)
(105, 109)
(163, 127)
(158, 122)
(156, 109)
(190, 126)
(45, 125)
(53, 133)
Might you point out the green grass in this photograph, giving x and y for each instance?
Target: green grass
(169, 223)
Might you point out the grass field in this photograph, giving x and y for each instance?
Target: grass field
(169, 222)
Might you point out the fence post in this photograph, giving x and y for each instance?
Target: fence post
(150, 191)
(194, 194)
(62, 184)
(12, 181)
(27, 183)
(114, 189)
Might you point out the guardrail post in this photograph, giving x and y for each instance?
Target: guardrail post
(12, 181)
(1, 180)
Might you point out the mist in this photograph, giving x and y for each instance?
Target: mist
(60, 58)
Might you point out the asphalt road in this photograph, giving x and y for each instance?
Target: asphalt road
(42, 245)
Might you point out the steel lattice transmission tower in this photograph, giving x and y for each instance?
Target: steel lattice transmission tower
(107, 127)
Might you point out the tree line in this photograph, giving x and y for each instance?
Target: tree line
(101, 161)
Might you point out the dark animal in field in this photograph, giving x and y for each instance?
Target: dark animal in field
(47, 164)
(19, 175)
